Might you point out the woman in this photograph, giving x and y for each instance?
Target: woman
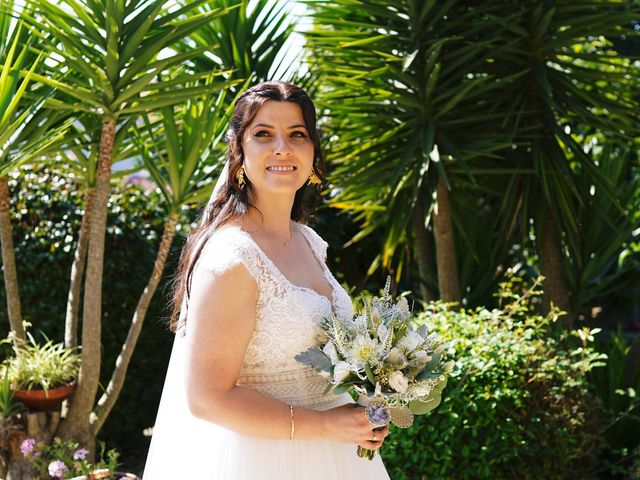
(251, 291)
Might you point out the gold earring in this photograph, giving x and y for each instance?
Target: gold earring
(240, 176)
(314, 179)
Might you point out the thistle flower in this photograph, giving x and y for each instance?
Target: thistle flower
(377, 414)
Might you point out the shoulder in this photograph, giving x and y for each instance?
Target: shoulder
(316, 241)
(226, 248)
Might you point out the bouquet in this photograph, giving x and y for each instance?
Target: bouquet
(384, 360)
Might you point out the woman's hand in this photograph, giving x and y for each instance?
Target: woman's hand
(349, 424)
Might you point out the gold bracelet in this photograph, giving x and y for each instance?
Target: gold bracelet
(293, 425)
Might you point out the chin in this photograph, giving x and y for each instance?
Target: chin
(281, 189)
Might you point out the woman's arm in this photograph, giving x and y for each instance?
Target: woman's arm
(220, 323)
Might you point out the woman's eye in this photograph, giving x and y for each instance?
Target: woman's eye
(261, 133)
(299, 134)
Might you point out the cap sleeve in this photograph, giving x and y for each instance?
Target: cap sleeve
(316, 241)
(225, 249)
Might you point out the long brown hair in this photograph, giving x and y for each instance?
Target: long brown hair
(232, 201)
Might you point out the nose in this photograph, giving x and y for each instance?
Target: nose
(281, 146)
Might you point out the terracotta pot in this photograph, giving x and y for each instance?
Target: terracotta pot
(105, 473)
(44, 401)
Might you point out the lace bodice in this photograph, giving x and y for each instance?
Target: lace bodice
(288, 317)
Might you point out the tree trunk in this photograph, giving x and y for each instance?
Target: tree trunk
(77, 423)
(422, 252)
(9, 262)
(77, 270)
(110, 396)
(445, 249)
(555, 288)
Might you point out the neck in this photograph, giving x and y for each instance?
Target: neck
(275, 220)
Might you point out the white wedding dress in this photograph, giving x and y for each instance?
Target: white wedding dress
(287, 323)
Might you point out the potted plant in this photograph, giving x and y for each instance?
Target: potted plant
(41, 375)
(66, 459)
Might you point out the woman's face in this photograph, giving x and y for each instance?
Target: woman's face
(278, 153)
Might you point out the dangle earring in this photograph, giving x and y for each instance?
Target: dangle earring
(240, 177)
(314, 179)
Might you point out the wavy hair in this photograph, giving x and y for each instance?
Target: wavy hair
(233, 201)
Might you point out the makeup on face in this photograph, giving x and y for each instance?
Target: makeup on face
(277, 149)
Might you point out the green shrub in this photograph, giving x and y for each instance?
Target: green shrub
(46, 209)
(518, 406)
(617, 385)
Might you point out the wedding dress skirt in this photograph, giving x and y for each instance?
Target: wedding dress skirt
(287, 323)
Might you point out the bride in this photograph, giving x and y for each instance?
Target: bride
(250, 293)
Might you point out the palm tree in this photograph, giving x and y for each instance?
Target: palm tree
(112, 54)
(180, 150)
(493, 87)
(79, 157)
(250, 39)
(570, 79)
(23, 124)
(405, 89)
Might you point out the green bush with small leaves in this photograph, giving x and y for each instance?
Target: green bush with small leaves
(46, 212)
(518, 405)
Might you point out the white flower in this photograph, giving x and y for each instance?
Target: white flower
(341, 372)
(420, 357)
(360, 323)
(375, 317)
(396, 358)
(363, 348)
(403, 307)
(398, 382)
(410, 342)
(331, 352)
(382, 331)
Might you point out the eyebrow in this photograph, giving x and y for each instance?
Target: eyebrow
(297, 125)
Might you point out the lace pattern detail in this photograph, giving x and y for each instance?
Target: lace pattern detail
(288, 318)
